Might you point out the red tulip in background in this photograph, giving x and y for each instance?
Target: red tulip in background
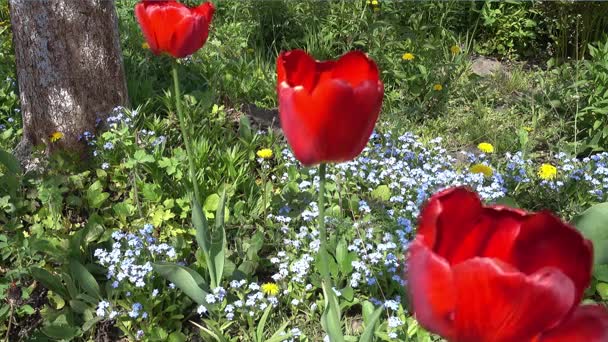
(328, 109)
(490, 273)
(173, 27)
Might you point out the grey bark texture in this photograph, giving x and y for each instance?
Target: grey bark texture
(69, 68)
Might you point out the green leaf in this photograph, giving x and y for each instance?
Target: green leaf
(91, 323)
(95, 195)
(142, 157)
(211, 203)
(370, 326)
(182, 277)
(202, 229)
(330, 320)
(259, 332)
(602, 290)
(10, 162)
(177, 336)
(84, 278)
(78, 306)
(382, 192)
(217, 252)
(507, 201)
(600, 272)
(245, 128)
(50, 281)
(593, 223)
(60, 331)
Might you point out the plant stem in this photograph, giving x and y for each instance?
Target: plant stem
(322, 230)
(185, 135)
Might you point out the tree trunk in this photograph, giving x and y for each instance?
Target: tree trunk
(69, 68)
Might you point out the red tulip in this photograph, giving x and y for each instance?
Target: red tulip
(495, 274)
(328, 109)
(173, 27)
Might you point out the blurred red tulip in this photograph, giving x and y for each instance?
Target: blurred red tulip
(328, 109)
(173, 27)
(495, 274)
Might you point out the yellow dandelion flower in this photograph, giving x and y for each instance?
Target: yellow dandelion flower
(26, 234)
(455, 49)
(56, 137)
(528, 128)
(145, 45)
(264, 153)
(547, 171)
(270, 289)
(408, 56)
(486, 147)
(437, 87)
(375, 2)
(482, 168)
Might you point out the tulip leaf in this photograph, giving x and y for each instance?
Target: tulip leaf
(593, 223)
(330, 320)
(370, 325)
(183, 278)
(84, 278)
(217, 251)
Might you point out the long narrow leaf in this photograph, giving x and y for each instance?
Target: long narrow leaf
(370, 326)
(218, 241)
(182, 277)
(84, 278)
(50, 281)
(203, 238)
(330, 320)
(259, 332)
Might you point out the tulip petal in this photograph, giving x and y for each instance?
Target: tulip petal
(495, 302)
(146, 26)
(355, 67)
(451, 216)
(588, 323)
(296, 68)
(543, 241)
(431, 288)
(205, 10)
(162, 18)
(296, 127)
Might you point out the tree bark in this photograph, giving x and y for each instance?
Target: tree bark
(69, 68)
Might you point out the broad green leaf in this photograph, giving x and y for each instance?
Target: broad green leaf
(50, 281)
(84, 278)
(60, 331)
(95, 195)
(593, 223)
(10, 162)
(211, 203)
(600, 272)
(602, 290)
(182, 277)
(370, 326)
(177, 336)
(383, 193)
(330, 320)
(78, 306)
(91, 323)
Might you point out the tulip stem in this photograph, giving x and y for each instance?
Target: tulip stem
(185, 135)
(322, 230)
